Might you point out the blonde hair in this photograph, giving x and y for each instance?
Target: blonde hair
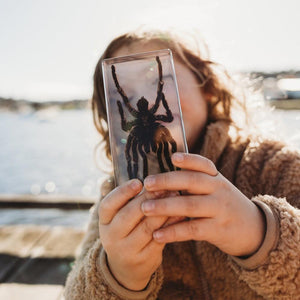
(209, 75)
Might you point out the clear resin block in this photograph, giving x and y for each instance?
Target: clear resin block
(144, 114)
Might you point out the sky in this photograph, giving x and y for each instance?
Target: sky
(49, 49)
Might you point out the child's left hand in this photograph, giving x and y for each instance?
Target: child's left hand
(218, 212)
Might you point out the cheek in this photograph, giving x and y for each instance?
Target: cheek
(194, 107)
(194, 111)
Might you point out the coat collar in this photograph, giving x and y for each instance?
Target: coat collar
(215, 140)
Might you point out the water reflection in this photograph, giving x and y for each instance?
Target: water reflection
(48, 217)
(49, 153)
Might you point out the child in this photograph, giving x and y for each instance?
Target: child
(234, 234)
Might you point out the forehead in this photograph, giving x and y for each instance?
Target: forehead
(181, 69)
(139, 47)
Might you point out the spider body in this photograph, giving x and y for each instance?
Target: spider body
(146, 133)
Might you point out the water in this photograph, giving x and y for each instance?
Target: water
(49, 217)
(51, 152)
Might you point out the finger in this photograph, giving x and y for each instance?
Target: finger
(191, 181)
(197, 206)
(129, 216)
(142, 234)
(196, 229)
(116, 199)
(194, 162)
(173, 220)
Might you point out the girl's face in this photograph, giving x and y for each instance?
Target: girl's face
(193, 103)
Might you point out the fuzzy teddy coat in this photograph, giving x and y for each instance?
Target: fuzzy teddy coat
(268, 173)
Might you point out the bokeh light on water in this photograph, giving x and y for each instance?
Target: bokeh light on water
(49, 153)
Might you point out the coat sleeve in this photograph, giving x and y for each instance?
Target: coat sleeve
(274, 270)
(90, 277)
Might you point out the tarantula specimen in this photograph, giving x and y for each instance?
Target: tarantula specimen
(146, 133)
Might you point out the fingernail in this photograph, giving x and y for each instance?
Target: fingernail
(135, 184)
(147, 206)
(149, 181)
(178, 157)
(158, 235)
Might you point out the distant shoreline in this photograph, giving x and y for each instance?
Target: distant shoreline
(22, 105)
(13, 105)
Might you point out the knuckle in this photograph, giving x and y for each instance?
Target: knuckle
(172, 233)
(121, 218)
(147, 228)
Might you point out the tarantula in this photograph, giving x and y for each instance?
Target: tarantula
(145, 130)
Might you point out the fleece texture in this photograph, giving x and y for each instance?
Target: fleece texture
(268, 173)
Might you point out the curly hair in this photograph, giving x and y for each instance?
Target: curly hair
(206, 72)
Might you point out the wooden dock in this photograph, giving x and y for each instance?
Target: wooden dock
(46, 201)
(36, 259)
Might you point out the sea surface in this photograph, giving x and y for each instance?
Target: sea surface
(48, 152)
(52, 152)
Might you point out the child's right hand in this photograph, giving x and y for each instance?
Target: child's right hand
(127, 235)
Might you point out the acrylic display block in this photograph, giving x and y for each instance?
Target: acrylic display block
(144, 114)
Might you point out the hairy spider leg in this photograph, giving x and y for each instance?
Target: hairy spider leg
(128, 157)
(135, 158)
(126, 126)
(167, 156)
(159, 157)
(167, 140)
(122, 93)
(147, 146)
(174, 149)
(154, 146)
(159, 87)
(168, 117)
(145, 161)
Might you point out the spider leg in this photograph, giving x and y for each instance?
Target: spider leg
(173, 144)
(167, 156)
(147, 147)
(169, 116)
(170, 139)
(122, 93)
(128, 157)
(174, 149)
(153, 146)
(159, 158)
(145, 161)
(126, 126)
(159, 87)
(135, 158)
